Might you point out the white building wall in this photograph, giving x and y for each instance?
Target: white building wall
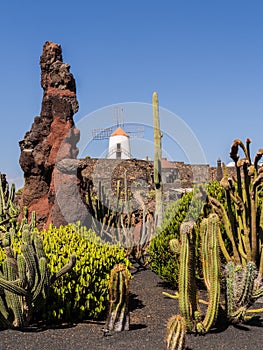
(124, 143)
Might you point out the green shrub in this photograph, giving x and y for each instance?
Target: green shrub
(162, 259)
(82, 294)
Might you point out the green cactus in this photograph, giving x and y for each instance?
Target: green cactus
(157, 175)
(211, 267)
(118, 315)
(176, 332)
(8, 210)
(242, 218)
(9, 213)
(230, 288)
(25, 280)
(241, 290)
(114, 221)
(242, 286)
(187, 285)
(188, 294)
(174, 246)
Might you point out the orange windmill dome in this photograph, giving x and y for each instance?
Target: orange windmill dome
(119, 132)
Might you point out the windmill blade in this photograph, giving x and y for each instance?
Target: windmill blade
(135, 131)
(102, 133)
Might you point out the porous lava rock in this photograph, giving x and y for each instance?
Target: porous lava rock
(51, 139)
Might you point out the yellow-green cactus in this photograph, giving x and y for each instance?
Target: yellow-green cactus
(118, 314)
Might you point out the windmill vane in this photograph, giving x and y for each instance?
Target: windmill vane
(104, 133)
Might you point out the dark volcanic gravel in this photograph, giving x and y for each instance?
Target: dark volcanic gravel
(150, 311)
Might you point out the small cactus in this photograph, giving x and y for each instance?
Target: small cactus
(176, 332)
(174, 246)
(118, 315)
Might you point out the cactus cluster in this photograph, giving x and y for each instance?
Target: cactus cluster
(163, 250)
(242, 284)
(8, 210)
(25, 279)
(114, 221)
(243, 216)
(188, 293)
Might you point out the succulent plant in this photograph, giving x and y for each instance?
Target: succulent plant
(176, 331)
(8, 210)
(25, 279)
(157, 175)
(118, 315)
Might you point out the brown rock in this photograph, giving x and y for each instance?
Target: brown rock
(53, 137)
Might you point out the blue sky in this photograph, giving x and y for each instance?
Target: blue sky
(204, 58)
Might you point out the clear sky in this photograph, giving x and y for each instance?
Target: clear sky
(203, 57)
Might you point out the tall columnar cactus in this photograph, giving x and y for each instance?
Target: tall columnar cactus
(209, 229)
(243, 223)
(176, 331)
(242, 286)
(118, 315)
(188, 295)
(157, 176)
(243, 217)
(187, 285)
(25, 280)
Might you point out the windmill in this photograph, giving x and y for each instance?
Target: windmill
(119, 136)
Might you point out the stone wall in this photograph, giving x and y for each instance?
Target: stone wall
(107, 172)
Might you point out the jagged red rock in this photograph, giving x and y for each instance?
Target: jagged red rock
(53, 137)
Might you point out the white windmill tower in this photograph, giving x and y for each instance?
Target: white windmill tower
(119, 140)
(119, 145)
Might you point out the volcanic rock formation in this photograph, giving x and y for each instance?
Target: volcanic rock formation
(53, 138)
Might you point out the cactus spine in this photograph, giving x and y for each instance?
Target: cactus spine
(176, 332)
(157, 161)
(118, 315)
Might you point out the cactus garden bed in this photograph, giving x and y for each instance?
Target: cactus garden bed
(150, 311)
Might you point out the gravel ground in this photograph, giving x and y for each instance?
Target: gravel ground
(150, 311)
